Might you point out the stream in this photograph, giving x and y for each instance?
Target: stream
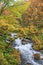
(26, 52)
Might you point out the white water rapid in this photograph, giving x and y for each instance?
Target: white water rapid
(26, 52)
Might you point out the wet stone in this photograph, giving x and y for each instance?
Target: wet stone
(37, 56)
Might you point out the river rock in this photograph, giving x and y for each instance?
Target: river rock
(37, 56)
(23, 42)
(41, 58)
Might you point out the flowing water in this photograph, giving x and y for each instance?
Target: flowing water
(26, 52)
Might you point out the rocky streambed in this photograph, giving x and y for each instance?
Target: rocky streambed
(27, 54)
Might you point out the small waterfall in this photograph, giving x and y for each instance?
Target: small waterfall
(13, 34)
(26, 52)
